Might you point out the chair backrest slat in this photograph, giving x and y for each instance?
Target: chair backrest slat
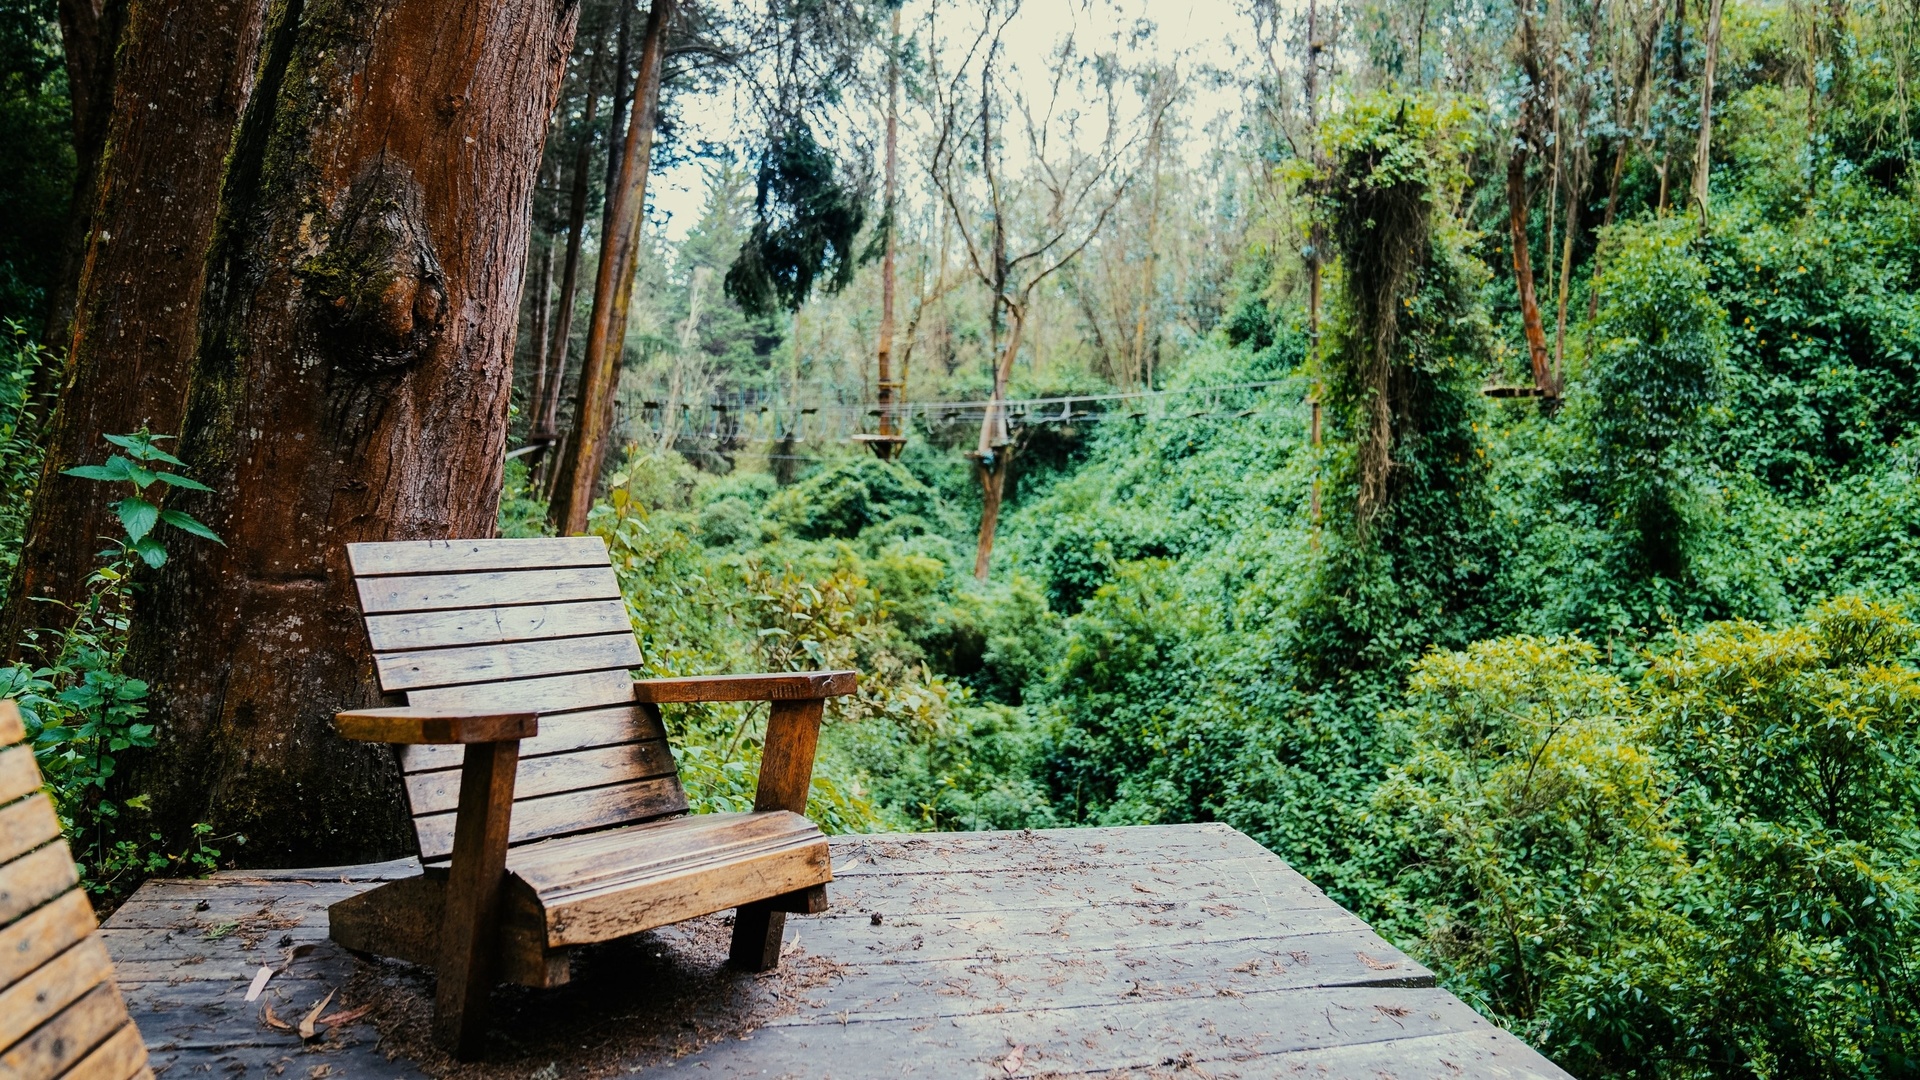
(442, 592)
(492, 625)
(519, 624)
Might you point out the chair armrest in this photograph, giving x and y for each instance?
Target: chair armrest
(796, 686)
(416, 726)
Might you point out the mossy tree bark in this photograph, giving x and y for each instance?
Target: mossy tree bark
(350, 383)
(181, 76)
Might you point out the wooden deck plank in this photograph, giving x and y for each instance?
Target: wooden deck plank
(1170, 950)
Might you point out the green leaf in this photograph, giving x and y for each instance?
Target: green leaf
(151, 552)
(141, 476)
(186, 523)
(138, 516)
(180, 482)
(116, 468)
(141, 447)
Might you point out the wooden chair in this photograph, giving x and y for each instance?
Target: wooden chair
(60, 1013)
(562, 822)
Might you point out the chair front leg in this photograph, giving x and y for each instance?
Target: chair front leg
(786, 774)
(469, 931)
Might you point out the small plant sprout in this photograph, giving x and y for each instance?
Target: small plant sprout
(138, 515)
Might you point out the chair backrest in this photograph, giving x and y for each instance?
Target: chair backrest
(519, 624)
(60, 1012)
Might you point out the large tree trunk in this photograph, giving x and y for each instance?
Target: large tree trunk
(612, 291)
(89, 34)
(184, 74)
(350, 383)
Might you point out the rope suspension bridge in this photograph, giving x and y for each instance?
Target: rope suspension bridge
(748, 419)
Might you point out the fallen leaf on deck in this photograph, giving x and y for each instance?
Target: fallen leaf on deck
(306, 1025)
(1012, 1062)
(259, 983)
(336, 1019)
(274, 1022)
(1377, 965)
(295, 953)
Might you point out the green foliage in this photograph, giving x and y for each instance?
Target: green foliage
(83, 709)
(36, 131)
(807, 221)
(843, 500)
(20, 453)
(1710, 866)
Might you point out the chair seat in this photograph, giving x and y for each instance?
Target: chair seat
(604, 885)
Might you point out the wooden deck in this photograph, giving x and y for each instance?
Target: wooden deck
(1160, 951)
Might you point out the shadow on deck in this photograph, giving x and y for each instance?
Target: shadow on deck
(1182, 950)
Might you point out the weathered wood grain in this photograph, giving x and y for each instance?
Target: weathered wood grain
(793, 686)
(12, 728)
(559, 733)
(33, 879)
(19, 775)
(25, 824)
(567, 812)
(466, 961)
(43, 934)
(509, 660)
(415, 725)
(439, 592)
(553, 693)
(122, 1056)
(434, 792)
(1232, 965)
(50, 988)
(57, 1045)
(452, 556)
(488, 625)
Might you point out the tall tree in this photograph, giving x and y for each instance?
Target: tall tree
(887, 444)
(1519, 198)
(349, 382)
(1074, 189)
(586, 450)
(1703, 146)
(544, 428)
(184, 71)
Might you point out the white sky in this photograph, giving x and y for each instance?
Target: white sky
(1215, 33)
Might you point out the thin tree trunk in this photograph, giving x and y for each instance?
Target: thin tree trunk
(1316, 240)
(1517, 211)
(1523, 273)
(184, 73)
(546, 420)
(885, 445)
(350, 384)
(89, 34)
(1702, 156)
(612, 290)
(537, 345)
(994, 455)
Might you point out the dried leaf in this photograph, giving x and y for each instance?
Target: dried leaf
(295, 953)
(1012, 1062)
(274, 1022)
(336, 1019)
(306, 1025)
(1377, 965)
(259, 982)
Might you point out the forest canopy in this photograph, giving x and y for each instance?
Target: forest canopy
(1470, 448)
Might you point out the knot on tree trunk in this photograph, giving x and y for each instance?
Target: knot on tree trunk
(374, 287)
